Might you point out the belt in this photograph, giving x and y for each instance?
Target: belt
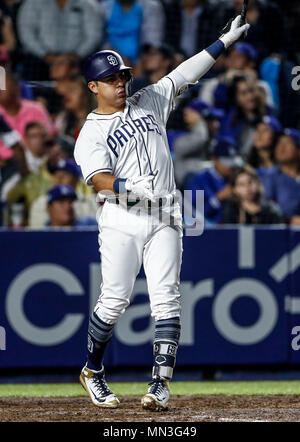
(146, 203)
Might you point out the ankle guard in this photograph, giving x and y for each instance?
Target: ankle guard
(164, 351)
(99, 334)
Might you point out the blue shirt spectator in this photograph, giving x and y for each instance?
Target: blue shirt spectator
(60, 208)
(261, 155)
(215, 180)
(283, 184)
(194, 146)
(131, 24)
(283, 189)
(247, 108)
(123, 28)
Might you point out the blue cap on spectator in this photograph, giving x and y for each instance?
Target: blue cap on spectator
(273, 123)
(69, 166)
(294, 134)
(246, 49)
(225, 149)
(60, 192)
(205, 109)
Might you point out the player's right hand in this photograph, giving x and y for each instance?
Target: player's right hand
(141, 186)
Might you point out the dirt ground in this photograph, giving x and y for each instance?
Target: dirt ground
(209, 408)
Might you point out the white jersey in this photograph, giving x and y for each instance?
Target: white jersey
(133, 142)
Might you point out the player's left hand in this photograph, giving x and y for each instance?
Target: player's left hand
(141, 186)
(237, 29)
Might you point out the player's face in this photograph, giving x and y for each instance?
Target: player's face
(246, 187)
(111, 90)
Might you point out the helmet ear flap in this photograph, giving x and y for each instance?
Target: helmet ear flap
(128, 85)
(128, 75)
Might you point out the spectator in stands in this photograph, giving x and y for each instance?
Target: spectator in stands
(35, 145)
(26, 90)
(215, 181)
(48, 28)
(9, 159)
(295, 220)
(19, 112)
(79, 102)
(192, 25)
(248, 106)
(241, 60)
(61, 211)
(64, 68)
(267, 32)
(65, 172)
(61, 148)
(193, 147)
(37, 177)
(261, 155)
(246, 205)
(283, 185)
(7, 35)
(10, 9)
(156, 63)
(132, 23)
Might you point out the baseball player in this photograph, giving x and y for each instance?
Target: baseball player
(123, 152)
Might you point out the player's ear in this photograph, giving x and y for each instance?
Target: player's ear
(93, 86)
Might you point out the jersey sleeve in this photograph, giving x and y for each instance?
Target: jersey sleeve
(159, 97)
(91, 153)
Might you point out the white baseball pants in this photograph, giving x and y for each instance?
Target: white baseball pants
(126, 241)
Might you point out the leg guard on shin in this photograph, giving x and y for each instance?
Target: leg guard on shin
(167, 333)
(99, 334)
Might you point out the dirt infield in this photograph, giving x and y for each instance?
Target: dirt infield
(208, 408)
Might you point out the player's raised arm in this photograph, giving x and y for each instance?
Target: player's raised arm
(195, 67)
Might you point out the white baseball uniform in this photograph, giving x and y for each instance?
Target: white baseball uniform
(129, 144)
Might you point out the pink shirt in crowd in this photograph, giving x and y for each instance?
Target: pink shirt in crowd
(29, 112)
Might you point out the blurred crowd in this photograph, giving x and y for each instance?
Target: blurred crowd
(234, 135)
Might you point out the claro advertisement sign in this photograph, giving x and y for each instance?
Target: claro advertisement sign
(240, 296)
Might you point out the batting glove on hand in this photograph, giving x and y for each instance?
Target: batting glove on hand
(237, 29)
(141, 186)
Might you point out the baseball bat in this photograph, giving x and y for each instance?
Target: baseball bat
(243, 18)
(244, 12)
